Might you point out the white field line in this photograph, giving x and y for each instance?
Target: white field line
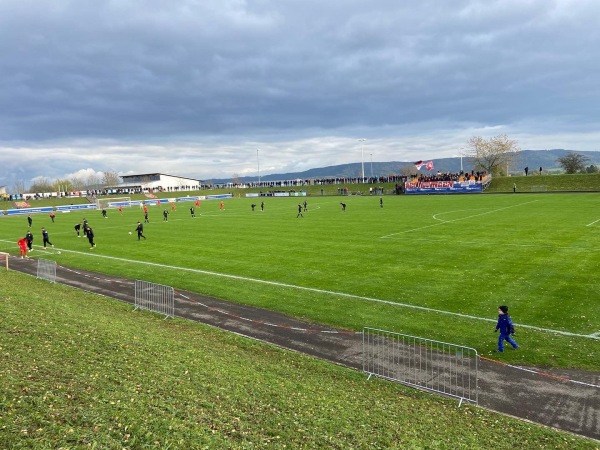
(495, 244)
(457, 220)
(590, 224)
(324, 291)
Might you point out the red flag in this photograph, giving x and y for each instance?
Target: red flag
(419, 164)
(429, 165)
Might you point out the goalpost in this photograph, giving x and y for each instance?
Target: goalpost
(115, 202)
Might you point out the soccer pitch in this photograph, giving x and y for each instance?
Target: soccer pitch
(431, 266)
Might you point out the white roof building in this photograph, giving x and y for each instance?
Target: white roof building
(158, 182)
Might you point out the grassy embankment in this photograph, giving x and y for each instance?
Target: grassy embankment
(83, 371)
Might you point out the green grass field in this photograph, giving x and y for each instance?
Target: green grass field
(82, 371)
(432, 266)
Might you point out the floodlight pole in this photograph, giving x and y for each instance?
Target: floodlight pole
(258, 165)
(371, 165)
(362, 159)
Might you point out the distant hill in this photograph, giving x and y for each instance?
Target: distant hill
(534, 159)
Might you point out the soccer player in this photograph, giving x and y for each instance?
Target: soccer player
(192, 212)
(165, 216)
(78, 229)
(172, 207)
(299, 211)
(22, 247)
(104, 213)
(253, 206)
(120, 209)
(221, 205)
(85, 226)
(262, 206)
(52, 216)
(140, 231)
(343, 206)
(29, 220)
(90, 235)
(46, 238)
(197, 203)
(146, 220)
(29, 239)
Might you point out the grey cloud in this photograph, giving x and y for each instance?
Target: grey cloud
(227, 74)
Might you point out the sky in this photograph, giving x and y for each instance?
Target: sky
(212, 89)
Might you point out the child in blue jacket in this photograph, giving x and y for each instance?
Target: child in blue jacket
(506, 328)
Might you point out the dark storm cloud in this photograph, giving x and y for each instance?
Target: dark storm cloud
(213, 80)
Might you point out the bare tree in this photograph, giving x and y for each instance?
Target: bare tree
(493, 155)
(235, 179)
(19, 187)
(42, 184)
(78, 184)
(408, 170)
(110, 179)
(93, 181)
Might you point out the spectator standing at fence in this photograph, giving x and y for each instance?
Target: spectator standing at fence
(540, 170)
(78, 229)
(22, 247)
(299, 211)
(29, 239)
(29, 220)
(140, 231)
(506, 328)
(90, 235)
(514, 187)
(52, 216)
(46, 238)
(526, 170)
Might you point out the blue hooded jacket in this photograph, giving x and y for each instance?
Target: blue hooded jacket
(505, 324)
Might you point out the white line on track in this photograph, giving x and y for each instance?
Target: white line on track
(327, 292)
(457, 220)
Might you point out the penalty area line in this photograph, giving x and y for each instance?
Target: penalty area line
(590, 224)
(333, 293)
(456, 220)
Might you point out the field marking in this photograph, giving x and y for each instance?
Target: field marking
(590, 224)
(328, 292)
(497, 244)
(457, 220)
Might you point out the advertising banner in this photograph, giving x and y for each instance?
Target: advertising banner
(444, 187)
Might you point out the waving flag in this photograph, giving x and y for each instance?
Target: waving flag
(429, 165)
(419, 164)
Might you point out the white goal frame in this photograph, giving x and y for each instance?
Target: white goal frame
(113, 202)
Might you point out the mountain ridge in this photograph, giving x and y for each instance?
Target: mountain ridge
(534, 159)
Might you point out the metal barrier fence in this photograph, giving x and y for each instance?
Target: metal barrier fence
(423, 363)
(4, 258)
(155, 297)
(46, 270)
